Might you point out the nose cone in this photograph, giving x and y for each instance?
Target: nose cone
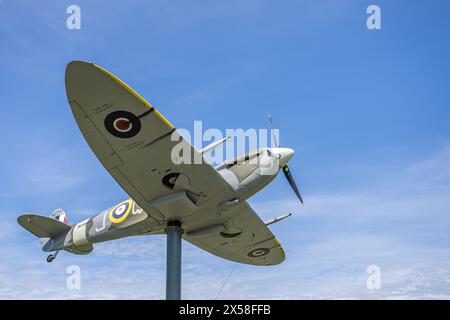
(286, 154)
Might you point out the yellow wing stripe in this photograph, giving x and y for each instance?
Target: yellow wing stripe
(137, 95)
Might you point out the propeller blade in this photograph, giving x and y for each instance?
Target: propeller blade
(273, 133)
(290, 179)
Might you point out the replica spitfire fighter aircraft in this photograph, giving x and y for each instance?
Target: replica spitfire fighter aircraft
(206, 206)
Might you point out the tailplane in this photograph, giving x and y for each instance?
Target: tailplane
(42, 227)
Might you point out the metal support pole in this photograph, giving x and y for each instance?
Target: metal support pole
(173, 266)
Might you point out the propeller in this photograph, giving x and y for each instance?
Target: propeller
(287, 172)
(290, 179)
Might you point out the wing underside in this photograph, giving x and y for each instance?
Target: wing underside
(134, 142)
(250, 242)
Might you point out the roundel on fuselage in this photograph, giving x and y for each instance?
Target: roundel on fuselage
(120, 212)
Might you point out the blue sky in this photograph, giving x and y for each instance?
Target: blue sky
(366, 111)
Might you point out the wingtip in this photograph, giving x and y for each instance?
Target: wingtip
(72, 68)
(76, 63)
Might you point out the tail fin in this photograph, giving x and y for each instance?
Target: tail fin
(60, 215)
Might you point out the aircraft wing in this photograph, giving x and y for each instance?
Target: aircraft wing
(133, 142)
(255, 244)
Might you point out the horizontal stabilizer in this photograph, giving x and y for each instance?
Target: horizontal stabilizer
(42, 227)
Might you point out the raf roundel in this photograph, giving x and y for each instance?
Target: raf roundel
(122, 124)
(120, 212)
(260, 252)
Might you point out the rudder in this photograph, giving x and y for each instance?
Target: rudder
(60, 215)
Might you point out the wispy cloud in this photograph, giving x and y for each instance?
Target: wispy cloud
(331, 265)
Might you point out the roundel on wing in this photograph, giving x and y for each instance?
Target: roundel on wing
(122, 124)
(170, 179)
(120, 212)
(260, 252)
